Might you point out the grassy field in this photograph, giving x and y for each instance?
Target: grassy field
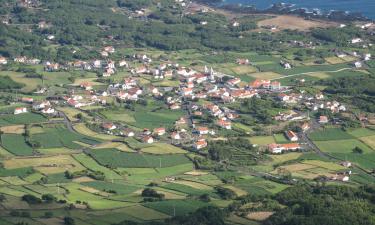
(369, 140)
(265, 75)
(115, 158)
(91, 164)
(45, 165)
(175, 207)
(82, 129)
(342, 146)
(280, 139)
(61, 137)
(330, 134)
(16, 144)
(24, 118)
(163, 148)
(262, 140)
(361, 132)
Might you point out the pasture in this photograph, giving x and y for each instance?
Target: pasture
(163, 148)
(45, 165)
(115, 158)
(342, 146)
(329, 134)
(16, 144)
(24, 118)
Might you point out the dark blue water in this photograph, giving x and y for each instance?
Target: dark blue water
(366, 7)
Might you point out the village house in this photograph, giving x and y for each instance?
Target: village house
(74, 103)
(109, 126)
(200, 144)
(358, 64)
(159, 131)
(27, 100)
(280, 148)
(346, 164)
(224, 123)
(41, 105)
(291, 135)
(176, 136)
(202, 130)
(242, 61)
(148, 139)
(340, 177)
(48, 110)
(356, 40)
(305, 127)
(323, 119)
(181, 121)
(233, 82)
(128, 132)
(86, 85)
(275, 86)
(3, 61)
(20, 110)
(109, 49)
(260, 84)
(123, 63)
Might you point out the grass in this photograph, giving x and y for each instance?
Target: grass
(16, 144)
(262, 140)
(19, 172)
(277, 159)
(91, 164)
(144, 213)
(45, 165)
(369, 140)
(17, 129)
(329, 134)
(116, 158)
(176, 207)
(265, 75)
(61, 137)
(82, 129)
(280, 139)
(107, 186)
(163, 148)
(24, 118)
(361, 132)
(342, 146)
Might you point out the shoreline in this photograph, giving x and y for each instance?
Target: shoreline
(285, 9)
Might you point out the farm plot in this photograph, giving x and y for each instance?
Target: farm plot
(91, 164)
(159, 118)
(45, 165)
(143, 213)
(19, 172)
(265, 75)
(330, 134)
(280, 139)
(262, 140)
(120, 189)
(369, 140)
(24, 118)
(177, 207)
(163, 148)
(121, 116)
(115, 158)
(17, 129)
(82, 129)
(361, 132)
(342, 146)
(61, 137)
(188, 190)
(258, 186)
(16, 144)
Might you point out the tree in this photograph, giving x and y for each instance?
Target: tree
(357, 150)
(31, 199)
(48, 198)
(69, 221)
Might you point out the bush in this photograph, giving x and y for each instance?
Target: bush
(31, 199)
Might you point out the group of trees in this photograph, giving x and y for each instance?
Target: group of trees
(359, 90)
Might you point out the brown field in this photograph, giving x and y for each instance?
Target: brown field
(265, 75)
(334, 60)
(194, 184)
(83, 179)
(259, 216)
(17, 129)
(244, 69)
(319, 75)
(196, 173)
(45, 165)
(369, 140)
(239, 192)
(294, 23)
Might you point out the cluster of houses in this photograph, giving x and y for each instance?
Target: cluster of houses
(44, 107)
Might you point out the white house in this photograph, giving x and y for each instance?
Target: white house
(20, 110)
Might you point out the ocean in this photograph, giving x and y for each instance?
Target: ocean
(366, 7)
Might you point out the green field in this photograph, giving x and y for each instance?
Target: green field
(24, 118)
(330, 134)
(61, 137)
(115, 158)
(16, 144)
(175, 207)
(342, 146)
(120, 189)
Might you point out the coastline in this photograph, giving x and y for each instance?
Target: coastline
(285, 9)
